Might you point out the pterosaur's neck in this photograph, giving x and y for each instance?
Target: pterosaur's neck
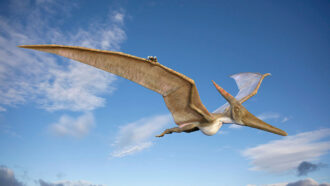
(224, 118)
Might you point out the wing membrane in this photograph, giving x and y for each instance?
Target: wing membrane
(248, 84)
(178, 91)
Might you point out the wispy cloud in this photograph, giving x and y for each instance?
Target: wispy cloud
(7, 129)
(34, 76)
(287, 153)
(118, 17)
(235, 126)
(75, 88)
(76, 127)
(2, 109)
(269, 115)
(107, 35)
(30, 76)
(274, 116)
(285, 119)
(135, 137)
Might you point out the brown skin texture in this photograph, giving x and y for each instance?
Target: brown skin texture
(187, 129)
(179, 92)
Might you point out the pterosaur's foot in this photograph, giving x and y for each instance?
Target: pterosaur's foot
(160, 135)
(170, 131)
(186, 128)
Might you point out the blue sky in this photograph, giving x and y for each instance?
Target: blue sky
(62, 122)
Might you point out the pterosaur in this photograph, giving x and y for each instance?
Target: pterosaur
(179, 92)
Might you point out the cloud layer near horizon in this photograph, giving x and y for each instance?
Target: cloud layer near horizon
(304, 182)
(7, 178)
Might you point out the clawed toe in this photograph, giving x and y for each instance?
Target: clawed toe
(159, 136)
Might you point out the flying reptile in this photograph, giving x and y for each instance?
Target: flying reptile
(179, 92)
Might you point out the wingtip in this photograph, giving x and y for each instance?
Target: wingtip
(267, 74)
(27, 46)
(38, 46)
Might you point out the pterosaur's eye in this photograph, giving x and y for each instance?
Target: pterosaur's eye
(236, 112)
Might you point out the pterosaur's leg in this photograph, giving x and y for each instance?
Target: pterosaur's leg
(186, 128)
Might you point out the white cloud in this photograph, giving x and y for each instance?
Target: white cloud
(307, 182)
(35, 76)
(285, 119)
(118, 17)
(276, 184)
(2, 109)
(135, 137)
(287, 153)
(235, 126)
(6, 129)
(75, 88)
(269, 115)
(304, 182)
(68, 126)
(102, 36)
(131, 149)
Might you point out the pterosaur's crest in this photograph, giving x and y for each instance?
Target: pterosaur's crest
(248, 84)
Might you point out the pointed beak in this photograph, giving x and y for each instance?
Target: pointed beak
(254, 122)
(243, 116)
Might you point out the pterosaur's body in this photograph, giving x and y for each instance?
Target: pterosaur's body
(179, 92)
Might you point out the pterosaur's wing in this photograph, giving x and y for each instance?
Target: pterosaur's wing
(248, 84)
(179, 92)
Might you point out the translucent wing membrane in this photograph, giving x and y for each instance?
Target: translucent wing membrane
(248, 84)
(222, 108)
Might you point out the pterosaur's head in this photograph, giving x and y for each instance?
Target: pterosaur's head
(241, 115)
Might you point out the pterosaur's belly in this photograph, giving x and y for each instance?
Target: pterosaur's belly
(211, 129)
